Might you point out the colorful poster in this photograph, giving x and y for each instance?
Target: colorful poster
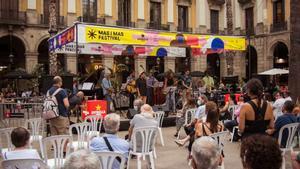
(112, 35)
(102, 49)
(95, 107)
(61, 39)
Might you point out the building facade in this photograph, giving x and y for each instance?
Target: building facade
(25, 23)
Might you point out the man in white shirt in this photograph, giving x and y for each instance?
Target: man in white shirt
(20, 139)
(277, 105)
(287, 96)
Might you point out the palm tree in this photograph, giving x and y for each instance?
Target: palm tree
(294, 59)
(53, 68)
(229, 19)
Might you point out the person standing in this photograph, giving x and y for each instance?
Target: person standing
(278, 104)
(141, 85)
(208, 81)
(60, 124)
(131, 88)
(151, 81)
(107, 90)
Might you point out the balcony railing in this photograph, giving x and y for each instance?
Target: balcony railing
(12, 17)
(277, 27)
(158, 26)
(60, 20)
(184, 29)
(123, 23)
(250, 31)
(91, 19)
(217, 2)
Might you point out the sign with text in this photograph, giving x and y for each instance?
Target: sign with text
(95, 107)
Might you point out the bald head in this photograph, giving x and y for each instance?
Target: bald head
(146, 108)
(80, 94)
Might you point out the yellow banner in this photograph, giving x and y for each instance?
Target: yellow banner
(123, 36)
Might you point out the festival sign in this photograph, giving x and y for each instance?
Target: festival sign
(101, 49)
(95, 107)
(62, 38)
(113, 35)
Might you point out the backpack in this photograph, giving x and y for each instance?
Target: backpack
(50, 106)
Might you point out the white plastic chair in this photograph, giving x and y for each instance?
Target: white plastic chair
(291, 129)
(107, 159)
(232, 109)
(189, 117)
(94, 129)
(159, 117)
(143, 142)
(34, 126)
(24, 164)
(5, 136)
(220, 138)
(59, 144)
(81, 142)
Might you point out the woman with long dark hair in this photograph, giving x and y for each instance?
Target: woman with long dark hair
(256, 116)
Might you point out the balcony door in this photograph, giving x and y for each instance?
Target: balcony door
(249, 21)
(89, 10)
(9, 9)
(183, 18)
(124, 12)
(155, 15)
(278, 11)
(214, 21)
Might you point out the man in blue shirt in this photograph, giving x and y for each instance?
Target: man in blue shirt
(60, 125)
(111, 125)
(287, 118)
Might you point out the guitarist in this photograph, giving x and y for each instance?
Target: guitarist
(107, 90)
(131, 88)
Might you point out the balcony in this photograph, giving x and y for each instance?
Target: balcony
(250, 31)
(123, 23)
(184, 29)
(60, 20)
(100, 20)
(12, 17)
(243, 2)
(158, 26)
(216, 2)
(277, 27)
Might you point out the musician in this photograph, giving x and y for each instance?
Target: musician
(76, 103)
(141, 85)
(131, 88)
(107, 90)
(151, 82)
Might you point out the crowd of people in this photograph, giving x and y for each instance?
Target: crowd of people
(257, 120)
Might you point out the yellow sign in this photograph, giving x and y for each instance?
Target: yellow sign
(123, 36)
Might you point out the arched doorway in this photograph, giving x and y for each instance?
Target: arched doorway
(251, 62)
(213, 65)
(43, 57)
(281, 56)
(12, 52)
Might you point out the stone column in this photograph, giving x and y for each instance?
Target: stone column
(223, 66)
(170, 63)
(108, 62)
(31, 61)
(202, 63)
(71, 63)
(139, 62)
(195, 63)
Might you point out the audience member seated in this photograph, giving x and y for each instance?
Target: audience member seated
(260, 152)
(82, 159)
(205, 128)
(205, 154)
(277, 105)
(224, 112)
(111, 126)
(295, 156)
(180, 116)
(20, 139)
(287, 118)
(230, 124)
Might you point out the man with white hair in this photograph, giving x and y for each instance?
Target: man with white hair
(110, 141)
(107, 90)
(205, 153)
(82, 159)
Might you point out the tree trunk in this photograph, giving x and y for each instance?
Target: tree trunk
(229, 19)
(294, 59)
(53, 68)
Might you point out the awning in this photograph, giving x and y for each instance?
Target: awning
(275, 71)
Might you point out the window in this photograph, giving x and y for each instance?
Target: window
(278, 11)
(89, 10)
(46, 14)
(124, 13)
(249, 21)
(214, 21)
(155, 15)
(183, 18)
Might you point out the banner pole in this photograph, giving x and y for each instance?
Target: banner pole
(76, 48)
